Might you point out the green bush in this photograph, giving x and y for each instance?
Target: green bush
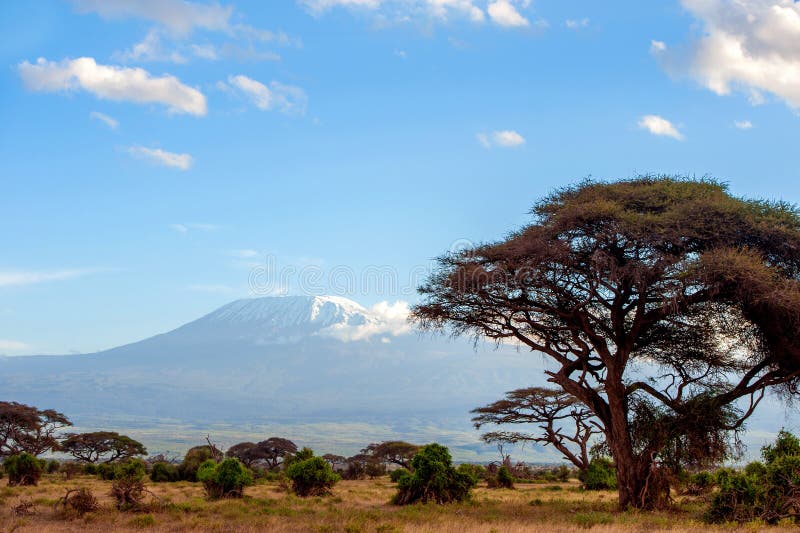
(53, 466)
(106, 471)
(700, 483)
(90, 469)
(765, 492)
(600, 475)
(128, 488)
(433, 478)
(303, 455)
(478, 472)
(192, 461)
(504, 478)
(226, 479)
(164, 472)
(312, 477)
(24, 469)
(395, 475)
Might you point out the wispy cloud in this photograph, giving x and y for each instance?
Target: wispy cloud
(245, 253)
(660, 126)
(111, 82)
(191, 226)
(278, 96)
(576, 24)
(179, 16)
(657, 47)
(162, 157)
(504, 13)
(743, 124)
(502, 139)
(383, 318)
(150, 49)
(9, 347)
(105, 119)
(14, 278)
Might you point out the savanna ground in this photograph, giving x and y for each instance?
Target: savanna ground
(355, 506)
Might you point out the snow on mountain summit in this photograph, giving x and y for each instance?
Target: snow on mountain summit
(279, 319)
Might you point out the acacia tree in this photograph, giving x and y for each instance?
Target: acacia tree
(673, 275)
(105, 446)
(564, 421)
(24, 428)
(392, 451)
(270, 452)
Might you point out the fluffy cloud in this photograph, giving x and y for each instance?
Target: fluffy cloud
(503, 139)
(162, 157)
(749, 45)
(278, 96)
(501, 12)
(8, 347)
(105, 119)
(656, 47)
(660, 126)
(112, 83)
(19, 278)
(383, 318)
(179, 16)
(505, 14)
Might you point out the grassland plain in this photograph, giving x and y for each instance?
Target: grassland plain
(355, 506)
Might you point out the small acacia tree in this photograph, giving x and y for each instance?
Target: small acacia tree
(24, 428)
(677, 275)
(24, 469)
(103, 446)
(270, 452)
(224, 480)
(394, 451)
(563, 421)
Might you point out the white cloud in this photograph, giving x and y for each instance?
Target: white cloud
(245, 253)
(278, 96)
(384, 319)
(162, 157)
(18, 278)
(576, 24)
(179, 16)
(187, 227)
(505, 14)
(503, 139)
(743, 124)
(752, 46)
(660, 126)
(9, 347)
(386, 12)
(112, 83)
(149, 49)
(105, 119)
(656, 47)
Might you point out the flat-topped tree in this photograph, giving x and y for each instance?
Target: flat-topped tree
(24, 428)
(562, 420)
(392, 451)
(672, 275)
(104, 446)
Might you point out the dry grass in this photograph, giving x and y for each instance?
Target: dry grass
(356, 506)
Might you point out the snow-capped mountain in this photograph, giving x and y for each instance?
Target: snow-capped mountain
(292, 359)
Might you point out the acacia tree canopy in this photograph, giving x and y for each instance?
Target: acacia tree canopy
(563, 421)
(673, 274)
(24, 428)
(106, 446)
(393, 451)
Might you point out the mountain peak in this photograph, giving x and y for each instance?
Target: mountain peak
(290, 311)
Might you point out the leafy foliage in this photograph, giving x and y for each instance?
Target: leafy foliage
(24, 469)
(24, 428)
(270, 452)
(163, 472)
(193, 459)
(433, 479)
(106, 446)
(312, 477)
(600, 475)
(128, 489)
(226, 479)
(393, 451)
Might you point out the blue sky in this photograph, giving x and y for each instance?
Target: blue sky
(158, 152)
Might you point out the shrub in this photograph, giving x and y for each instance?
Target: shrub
(53, 466)
(478, 472)
(226, 479)
(433, 478)
(600, 475)
(767, 492)
(192, 461)
(164, 472)
(563, 473)
(700, 483)
(90, 469)
(395, 475)
(375, 469)
(80, 501)
(128, 488)
(312, 477)
(303, 455)
(504, 478)
(24, 469)
(106, 471)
